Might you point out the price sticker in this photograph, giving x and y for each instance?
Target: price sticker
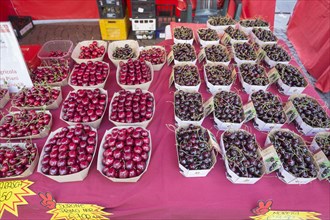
(225, 39)
(271, 159)
(290, 111)
(249, 111)
(324, 165)
(273, 75)
(213, 141)
(170, 58)
(208, 106)
(201, 55)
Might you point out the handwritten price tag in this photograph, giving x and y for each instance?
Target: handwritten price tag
(12, 195)
(78, 211)
(284, 215)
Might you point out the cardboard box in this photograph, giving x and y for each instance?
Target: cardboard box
(76, 51)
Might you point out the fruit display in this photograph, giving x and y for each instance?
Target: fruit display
(221, 21)
(217, 54)
(207, 34)
(242, 157)
(124, 53)
(195, 153)
(25, 124)
(68, 150)
(134, 74)
(254, 23)
(236, 34)
(188, 107)
(218, 77)
(228, 110)
(184, 53)
(310, 115)
(156, 55)
(89, 74)
(17, 159)
(91, 51)
(129, 107)
(275, 54)
(4, 97)
(186, 77)
(297, 161)
(244, 52)
(38, 97)
(253, 77)
(55, 75)
(85, 106)
(291, 80)
(183, 34)
(125, 153)
(269, 109)
(263, 36)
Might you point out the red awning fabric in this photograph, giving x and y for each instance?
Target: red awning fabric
(310, 35)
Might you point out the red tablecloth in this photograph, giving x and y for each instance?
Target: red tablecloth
(310, 35)
(163, 193)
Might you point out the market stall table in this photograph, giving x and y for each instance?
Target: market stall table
(163, 192)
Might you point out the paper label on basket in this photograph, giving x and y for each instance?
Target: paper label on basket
(170, 58)
(249, 111)
(201, 55)
(208, 106)
(12, 195)
(271, 159)
(225, 39)
(213, 141)
(273, 75)
(171, 80)
(140, 10)
(260, 54)
(233, 73)
(324, 165)
(290, 111)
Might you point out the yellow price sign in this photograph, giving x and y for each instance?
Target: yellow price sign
(12, 195)
(285, 215)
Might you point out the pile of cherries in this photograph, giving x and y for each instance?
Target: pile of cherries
(184, 52)
(194, 150)
(264, 35)
(228, 107)
(276, 53)
(186, 75)
(14, 160)
(219, 75)
(294, 155)
(123, 53)
(241, 151)
(311, 112)
(254, 23)
(24, 124)
(236, 34)
(57, 53)
(126, 152)
(50, 74)
(216, 53)
(245, 51)
(323, 141)
(183, 33)
(268, 107)
(134, 72)
(154, 55)
(221, 21)
(290, 75)
(132, 107)
(84, 105)
(91, 51)
(89, 74)
(208, 34)
(188, 106)
(69, 151)
(254, 74)
(36, 96)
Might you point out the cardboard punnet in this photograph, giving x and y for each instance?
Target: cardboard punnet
(314, 147)
(182, 123)
(76, 51)
(220, 29)
(143, 124)
(186, 88)
(284, 175)
(112, 47)
(79, 176)
(176, 62)
(156, 67)
(4, 99)
(260, 42)
(273, 63)
(320, 156)
(213, 62)
(239, 61)
(248, 88)
(217, 88)
(54, 105)
(178, 41)
(195, 173)
(143, 86)
(205, 43)
(100, 157)
(28, 171)
(64, 82)
(42, 134)
(248, 30)
(101, 85)
(95, 124)
(233, 177)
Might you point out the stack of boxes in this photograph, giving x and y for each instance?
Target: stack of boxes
(144, 18)
(114, 21)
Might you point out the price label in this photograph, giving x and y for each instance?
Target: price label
(201, 55)
(170, 58)
(213, 141)
(225, 39)
(324, 165)
(271, 159)
(233, 74)
(290, 111)
(249, 111)
(260, 54)
(171, 80)
(208, 106)
(273, 75)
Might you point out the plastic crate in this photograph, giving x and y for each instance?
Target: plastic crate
(114, 29)
(65, 46)
(144, 35)
(143, 9)
(111, 8)
(147, 24)
(22, 25)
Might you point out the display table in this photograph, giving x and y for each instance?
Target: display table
(162, 192)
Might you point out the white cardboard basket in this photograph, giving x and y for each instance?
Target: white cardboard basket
(249, 89)
(76, 51)
(220, 29)
(205, 43)
(187, 88)
(112, 46)
(156, 67)
(64, 82)
(239, 61)
(216, 88)
(260, 42)
(179, 41)
(248, 30)
(287, 90)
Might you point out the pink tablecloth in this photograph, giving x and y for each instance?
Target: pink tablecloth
(163, 193)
